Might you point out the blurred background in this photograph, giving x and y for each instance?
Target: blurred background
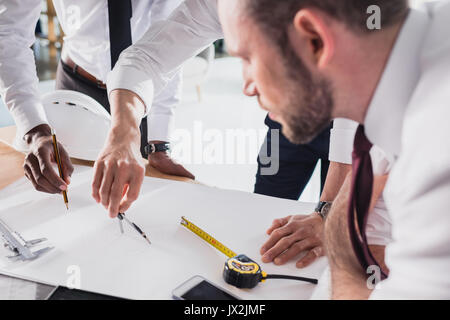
(212, 102)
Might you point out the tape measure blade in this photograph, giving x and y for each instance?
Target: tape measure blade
(207, 237)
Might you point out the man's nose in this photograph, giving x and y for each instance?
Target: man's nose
(250, 89)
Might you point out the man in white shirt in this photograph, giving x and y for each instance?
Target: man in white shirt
(148, 63)
(86, 60)
(396, 82)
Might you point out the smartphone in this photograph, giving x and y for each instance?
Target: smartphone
(63, 293)
(198, 288)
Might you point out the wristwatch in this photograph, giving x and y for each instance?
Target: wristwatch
(157, 147)
(322, 208)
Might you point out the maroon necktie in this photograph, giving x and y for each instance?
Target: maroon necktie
(360, 196)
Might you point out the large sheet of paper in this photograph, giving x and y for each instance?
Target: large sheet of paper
(89, 244)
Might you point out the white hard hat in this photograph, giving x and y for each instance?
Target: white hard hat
(80, 123)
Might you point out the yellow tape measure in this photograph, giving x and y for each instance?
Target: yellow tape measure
(208, 238)
(239, 270)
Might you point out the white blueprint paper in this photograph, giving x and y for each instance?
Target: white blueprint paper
(89, 244)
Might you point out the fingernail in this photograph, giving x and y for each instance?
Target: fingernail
(300, 265)
(263, 250)
(265, 258)
(62, 187)
(277, 261)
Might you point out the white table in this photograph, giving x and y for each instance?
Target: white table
(125, 265)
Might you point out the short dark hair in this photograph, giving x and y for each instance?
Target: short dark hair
(274, 16)
(280, 13)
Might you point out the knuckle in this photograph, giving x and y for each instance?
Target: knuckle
(113, 207)
(299, 246)
(288, 229)
(40, 179)
(103, 193)
(111, 165)
(115, 194)
(299, 232)
(122, 165)
(277, 233)
(285, 242)
(99, 165)
(45, 169)
(95, 185)
(136, 167)
(318, 251)
(132, 195)
(41, 149)
(276, 222)
(316, 238)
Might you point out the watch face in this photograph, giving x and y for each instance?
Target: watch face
(159, 147)
(326, 208)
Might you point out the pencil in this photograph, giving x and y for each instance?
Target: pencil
(58, 161)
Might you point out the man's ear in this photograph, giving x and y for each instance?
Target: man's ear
(310, 26)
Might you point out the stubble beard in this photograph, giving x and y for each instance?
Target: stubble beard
(310, 101)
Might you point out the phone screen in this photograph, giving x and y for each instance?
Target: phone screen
(206, 291)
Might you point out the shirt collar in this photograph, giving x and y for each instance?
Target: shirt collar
(383, 123)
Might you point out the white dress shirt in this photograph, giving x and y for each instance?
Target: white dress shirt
(191, 27)
(168, 44)
(86, 28)
(408, 118)
(151, 61)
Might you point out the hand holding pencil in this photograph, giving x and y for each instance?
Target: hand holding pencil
(39, 162)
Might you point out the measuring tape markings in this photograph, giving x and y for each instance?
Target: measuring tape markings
(239, 270)
(208, 238)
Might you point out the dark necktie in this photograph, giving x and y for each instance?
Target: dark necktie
(360, 196)
(120, 13)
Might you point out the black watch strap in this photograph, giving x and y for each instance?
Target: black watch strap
(157, 147)
(322, 208)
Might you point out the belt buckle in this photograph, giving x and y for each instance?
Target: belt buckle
(100, 84)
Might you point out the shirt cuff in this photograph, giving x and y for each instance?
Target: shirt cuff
(29, 117)
(132, 79)
(341, 141)
(159, 127)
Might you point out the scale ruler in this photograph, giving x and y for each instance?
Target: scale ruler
(207, 237)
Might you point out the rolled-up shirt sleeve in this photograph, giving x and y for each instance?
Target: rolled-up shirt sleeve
(147, 67)
(18, 79)
(341, 140)
(159, 122)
